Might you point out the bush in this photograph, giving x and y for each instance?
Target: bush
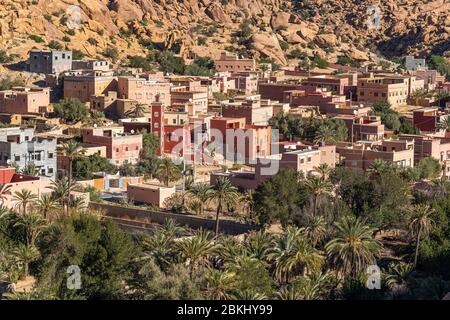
(92, 41)
(139, 62)
(71, 110)
(4, 57)
(36, 38)
(55, 45)
(77, 54)
(112, 53)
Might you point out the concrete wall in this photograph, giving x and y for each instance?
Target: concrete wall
(225, 226)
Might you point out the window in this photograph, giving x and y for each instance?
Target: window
(16, 158)
(156, 114)
(309, 159)
(50, 170)
(117, 149)
(156, 125)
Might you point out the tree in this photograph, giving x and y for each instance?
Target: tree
(428, 168)
(33, 225)
(293, 254)
(353, 247)
(278, 198)
(316, 229)
(317, 188)
(379, 167)
(83, 168)
(418, 95)
(71, 150)
(150, 144)
(325, 135)
(421, 224)
(195, 250)
(30, 169)
(323, 170)
(46, 204)
(71, 110)
(224, 194)
(137, 111)
(444, 124)
(220, 284)
(23, 199)
(201, 192)
(5, 190)
(170, 63)
(168, 171)
(25, 254)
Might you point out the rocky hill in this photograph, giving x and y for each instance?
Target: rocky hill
(260, 28)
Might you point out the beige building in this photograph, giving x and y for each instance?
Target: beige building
(149, 193)
(84, 84)
(25, 100)
(144, 91)
(232, 63)
(394, 89)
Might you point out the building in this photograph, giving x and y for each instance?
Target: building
(63, 162)
(366, 128)
(232, 63)
(192, 102)
(432, 78)
(102, 65)
(394, 89)
(427, 119)
(245, 83)
(412, 63)
(84, 84)
(276, 91)
(239, 142)
(121, 147)
(25, 100)
(430, 146)
(106, 103)
(144, 90)
(20, 146)
(49, 62)
(250, 107)
(361, 155)
(149, 193)
(334, 84)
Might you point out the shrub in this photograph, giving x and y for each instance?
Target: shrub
(36, 38)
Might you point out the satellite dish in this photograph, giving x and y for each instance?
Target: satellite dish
(95, 125)
(8, 161)
(132, 131)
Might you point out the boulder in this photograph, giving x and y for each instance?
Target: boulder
(268, 45)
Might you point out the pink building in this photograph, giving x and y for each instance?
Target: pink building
(121, 147)
(247, 84)
(362, 155)
(367, 128)
(427, 119)
(144, 91)
(333, 84)
(24, 100)
(232, 63)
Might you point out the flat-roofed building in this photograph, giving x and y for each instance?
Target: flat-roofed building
(83, 84)
(394, 89)
(144, 90)
(428, 119)
(25, 100)
(149, 193)
(49, 62)
(102, 65)
(250, 107)
(367, 128)
(232, 63)
(360, 155)
(331, 83)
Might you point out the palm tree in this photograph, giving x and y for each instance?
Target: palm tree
(4, 211)
(316, 229)
(160, 247)
(318, 187)
(444, 124)
(23, 199)
(33, 226)
(417, 95)
(46, 204)
(249, 294)
(325, 134)
(323, 170)
(420, 225)
(293, 254)
(71, 150)
(248, 202)
(398, 274)
(259, 245)
(26, 254)
(378, 167)
(137, 111)
(5, 189)
(219, 284)
(195, 250)
(353, 247)
(30, 170)
(168, 171)
(201, 192)
(311, 287)
(61, 190)
(224, 194)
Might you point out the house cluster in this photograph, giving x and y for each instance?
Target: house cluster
(219, 119)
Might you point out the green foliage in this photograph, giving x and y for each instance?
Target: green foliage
(7, 82)
(170, 63)
(4, 57)
(77, 54)
(112, 53)
(71, 110)
(55, 45)
(202, 66)
(85, 167)
(140, 62)
(278, 198)
(428, 168)
(36, 38)
(440, 64)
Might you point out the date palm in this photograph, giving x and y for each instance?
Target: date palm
(444, 124)
(318, 188)
(353, 247)
(5, 190)
(293, 255)
(71, 150)
(201, 192)
(161, 248)
(323, 170)
(249, 294)
(378, 167)
(33, 225)
(46, 204)
(219, 284)
(316, 229)
(325, 135)
(197, 249)
(259, 245)
(26, 255)
(225, 195)
(248, 203)
(168, 171)
(24, 199)
(4, 211)
(137, 111)
(420, 225)
(30, 170)
(398, 274)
